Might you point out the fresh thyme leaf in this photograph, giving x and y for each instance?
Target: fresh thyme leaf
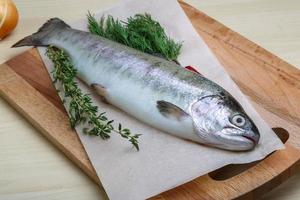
(81, 108)
(140, 32)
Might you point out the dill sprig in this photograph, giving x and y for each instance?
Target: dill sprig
(81, 108)
(140, 32)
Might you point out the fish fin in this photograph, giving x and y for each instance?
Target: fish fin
(191, 68)
(170, 110)
(100, 90)
(40, 38)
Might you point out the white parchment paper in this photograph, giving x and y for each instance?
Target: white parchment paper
(164, 161)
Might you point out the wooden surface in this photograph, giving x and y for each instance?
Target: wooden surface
(260, 97)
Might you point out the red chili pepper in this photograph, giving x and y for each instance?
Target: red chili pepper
(192, 69)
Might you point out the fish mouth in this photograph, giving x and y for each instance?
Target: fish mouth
(236, 143)
(232, 139)
(248, 137)
(243, 141)
(253, 140)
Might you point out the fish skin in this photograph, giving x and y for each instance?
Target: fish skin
(135, 81)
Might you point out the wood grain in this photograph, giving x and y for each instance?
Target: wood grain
(270, 82)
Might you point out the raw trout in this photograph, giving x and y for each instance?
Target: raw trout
(158, 92)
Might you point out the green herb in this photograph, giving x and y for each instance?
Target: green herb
(81, 109)
(140, 32)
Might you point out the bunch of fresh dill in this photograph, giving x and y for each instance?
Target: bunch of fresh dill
(140, 32)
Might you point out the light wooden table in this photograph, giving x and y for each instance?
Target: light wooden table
(31, 168)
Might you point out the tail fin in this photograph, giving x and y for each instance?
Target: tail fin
(41, 37)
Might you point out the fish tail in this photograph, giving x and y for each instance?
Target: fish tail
(41, 37)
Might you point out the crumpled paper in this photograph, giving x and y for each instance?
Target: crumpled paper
(163, 161)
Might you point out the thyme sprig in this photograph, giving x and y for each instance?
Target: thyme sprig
(140, 32)
(81, 108)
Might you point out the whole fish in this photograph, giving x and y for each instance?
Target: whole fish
(158, 92)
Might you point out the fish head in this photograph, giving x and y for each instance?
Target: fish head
(221, 122)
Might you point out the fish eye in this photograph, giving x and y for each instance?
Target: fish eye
(238, 120)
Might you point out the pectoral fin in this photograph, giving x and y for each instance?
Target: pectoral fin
(100, 90)
(170, 110)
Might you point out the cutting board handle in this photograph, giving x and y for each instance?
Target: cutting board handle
(251, 182)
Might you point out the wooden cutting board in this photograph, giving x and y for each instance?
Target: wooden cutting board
(272, 85)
